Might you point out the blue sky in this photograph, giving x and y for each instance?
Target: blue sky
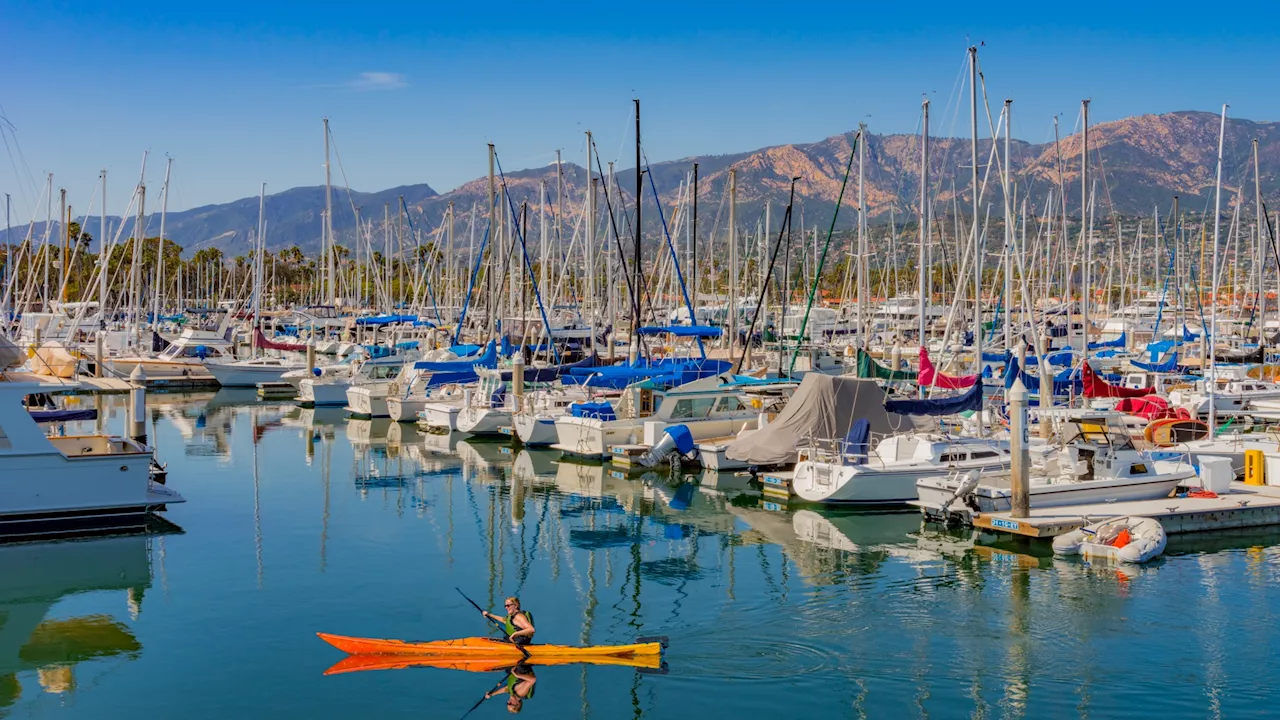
(235, 91)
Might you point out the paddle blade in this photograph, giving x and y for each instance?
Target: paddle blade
(660, 639)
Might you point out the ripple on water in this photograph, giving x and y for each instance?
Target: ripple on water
(757, 659)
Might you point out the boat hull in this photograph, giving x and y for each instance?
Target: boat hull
(535, 430)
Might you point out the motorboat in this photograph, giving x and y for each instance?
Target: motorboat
(1097, 462)
(709, 407)
(55, 484)
(842, 473)
(185, 356)
(330, 386)
(250, 373)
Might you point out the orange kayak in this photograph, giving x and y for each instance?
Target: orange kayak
(360, 663)
(488, 649)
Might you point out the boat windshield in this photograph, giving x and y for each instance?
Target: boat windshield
(1099, 432)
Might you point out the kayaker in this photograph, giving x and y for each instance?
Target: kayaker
(518, 623)
(519, 687)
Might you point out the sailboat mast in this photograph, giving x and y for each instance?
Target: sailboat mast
(258, 266)
(1009, 221)
(1086, 251)
(862, 239)
(1260, 263)
(733, 260)
(588, 286)
(164, 211)
(1212, 376)
(639, 275)
(326, 241)
(102, 250)
(922, 269)
(693, 249)
(977, 250)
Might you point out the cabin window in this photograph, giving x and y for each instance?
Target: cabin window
(729, 404)
(954, 457)
(983, 454)
(1138, 469)
(692, 408)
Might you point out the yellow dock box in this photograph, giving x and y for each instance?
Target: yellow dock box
(1254, 468)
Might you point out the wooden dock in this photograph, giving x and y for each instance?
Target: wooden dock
(90, 384)
(776, 484)
(1246, 506)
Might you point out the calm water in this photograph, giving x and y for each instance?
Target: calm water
(299, 521)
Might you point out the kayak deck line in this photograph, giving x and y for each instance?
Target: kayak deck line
(480, 648)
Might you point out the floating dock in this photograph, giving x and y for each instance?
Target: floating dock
(1246, 506)
(90, 384)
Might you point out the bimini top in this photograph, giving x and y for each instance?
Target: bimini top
(701, 331)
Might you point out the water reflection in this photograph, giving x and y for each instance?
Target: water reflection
(857, 613)
(38, 576)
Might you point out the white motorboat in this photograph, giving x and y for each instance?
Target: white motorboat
(249, 373)
(886, 475)
(490, 406)
(185, 356)
(1097, 464)
(709, 407)
(329, 386)
(50, 485)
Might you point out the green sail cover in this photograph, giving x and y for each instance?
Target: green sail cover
(869, 368)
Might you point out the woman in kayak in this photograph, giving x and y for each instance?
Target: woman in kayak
(518, 623)
(519, 687)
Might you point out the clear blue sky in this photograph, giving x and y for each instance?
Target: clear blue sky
(235, 90)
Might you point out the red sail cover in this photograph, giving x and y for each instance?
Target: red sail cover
(1096, 387)
(264, 343)
(930, 377)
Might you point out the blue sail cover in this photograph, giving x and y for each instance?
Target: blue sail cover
(1187, 335)
(1117, 343)
(969, 400)
(702, 331)
(488, 359)
(667, 372)
(995, 357)
(379, 320)
(1170, 364)
(51, 416)
(600, 410)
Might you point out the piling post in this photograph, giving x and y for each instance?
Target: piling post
(97, 349)
(138, 404)
(517, 377)
(311, 354)
(1021, 459)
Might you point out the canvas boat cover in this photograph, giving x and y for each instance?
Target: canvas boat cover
(1096, 387)
(824, 407)
(930, 376)
(869, 368)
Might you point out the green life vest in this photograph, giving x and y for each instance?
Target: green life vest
(511, 626)
(512, 682)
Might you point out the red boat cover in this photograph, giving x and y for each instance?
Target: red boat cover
(1096, 387)
(263, 342)
(930, 377)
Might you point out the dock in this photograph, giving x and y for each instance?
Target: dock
(1246, 506)
(106, 385)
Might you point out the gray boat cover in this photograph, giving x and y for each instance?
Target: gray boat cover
(10, 355)
(824, 407)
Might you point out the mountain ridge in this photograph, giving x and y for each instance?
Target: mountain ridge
(1138, 163)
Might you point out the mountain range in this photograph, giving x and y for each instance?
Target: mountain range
(1137, 165)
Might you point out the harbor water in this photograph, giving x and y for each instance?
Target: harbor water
(301, 520)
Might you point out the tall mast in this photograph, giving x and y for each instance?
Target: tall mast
(977, 250)
(1261, 253)
(733, 260)
(164, 211)
(693, 249)
(135, 265)
(1008, 232)
(639, 275)
(542, 251)
(102, 250)
(862, 240)
(588, 283)
(1212, 377)
(1086, 232)
(493, 240)
(326, 241)
(258, 269)
(922, 269)
(65, 229)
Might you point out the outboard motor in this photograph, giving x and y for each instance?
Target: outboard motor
(675, 439)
